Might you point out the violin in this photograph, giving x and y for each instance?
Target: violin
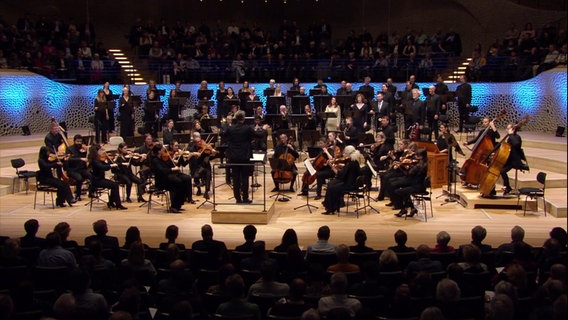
(206, 148)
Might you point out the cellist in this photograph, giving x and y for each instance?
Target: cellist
(285, 150)
(330, 147)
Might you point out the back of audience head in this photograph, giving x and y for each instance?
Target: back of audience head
(172, 232)
(400, 237)
(423, 251)
(310, 314)
(132, 235)
(447, 290)
(324, 233)
(235, 286)
(52, 240)
(79, 281)
(289, 237)
(267, 270)
(100, 227)
(432, 313)
(338, 283)
(63, 229)
(31, 226)
(443, 238)
(559, 234)
(360, 237)
(506, 288)
(501, 307)
(388, 259)
(478, 234)
(342, 253)
(259, 249)
(11, 248)
(182, 311)
(206, 232)
(517, 234)
(249, 232)
(297, 289)
(121, 315)
(471, 254)
(136, 254)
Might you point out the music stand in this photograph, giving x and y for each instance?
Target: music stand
(452, 179)
(273, 104)
(183, 94)
(321, 101)
(112, 97)
(268, 92)
(280, 164)
(311, 136)
(204, 94)
(136, 101)
(177, 101)
(291, 93)
(344, 100)
(182, 126)
(182, 137)
(312, 171)
(243, 95)
(298, 120)
(366, 138)
(325, 116)
(298, 103)
(315, 92)
(251, 106)
(154, 105)
(160, 92)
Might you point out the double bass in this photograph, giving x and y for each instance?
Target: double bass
(500, 156)
(475, 168)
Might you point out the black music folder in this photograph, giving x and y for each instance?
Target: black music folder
(160, 92)
(273, 103)
(251, 107)
(204, 94)
(345, 100)
(183, 94)
(298, 103)
(291, 93)
(268, 92)
(321, 101)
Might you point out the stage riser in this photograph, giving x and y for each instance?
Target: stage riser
(239, 214)
(555, 143)
(546, 164)
(550, 184)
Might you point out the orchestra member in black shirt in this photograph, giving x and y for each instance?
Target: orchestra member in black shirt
(286, 151)
(126, 113)
(48, 162)
(344, 180)
(99, 162)
(124, 173)
(101, 117)
(387, 129)
(77, 164)
(433, 105)
(151, 115)
(169, 177)
(351, 133)
(168, 132)
(54, 137)
(412, 181)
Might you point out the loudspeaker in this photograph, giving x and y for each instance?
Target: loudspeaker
(559, 131)
(26, 131)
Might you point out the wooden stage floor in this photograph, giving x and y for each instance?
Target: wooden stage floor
(15, 209)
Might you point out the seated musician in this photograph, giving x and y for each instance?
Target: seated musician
(403, 151)
(311, 124)
(54, 137)
(140, 157)
(199, 163)
(415, 172)
(99, 162)
(259, 144)
(516, 160)
(203, 113)
(281, 123)
(345, 180)
(286, 151)
(386, 128)
(377, 156)
(179, 157)
(77, 164)
(329, 149)
(259, 112)
(125, 175)
(168, 132)
(491, 132)
(231, 114)
(446, 140)
(169, 177)
(198, 127)
(48, 162)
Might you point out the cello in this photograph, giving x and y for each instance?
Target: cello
(500, 156)
(474, 168)
(284, 174)
(318, 163)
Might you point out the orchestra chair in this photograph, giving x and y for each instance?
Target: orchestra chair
(470, 126)
(356, 195)
(95, 194)
(115, 141)
(45, 189)
(92, 128)
(420, 198)
(154, 191)
(534, 193)
(21, 174)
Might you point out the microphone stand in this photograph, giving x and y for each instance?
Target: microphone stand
(452, 179)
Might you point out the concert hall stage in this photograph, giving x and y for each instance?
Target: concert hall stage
(545, 152)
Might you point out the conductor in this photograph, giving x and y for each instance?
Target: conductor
(239, 152)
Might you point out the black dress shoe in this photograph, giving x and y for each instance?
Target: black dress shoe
(128, 200)
(302, 194)
(175, 210)
(141, 199)
(292, 189)
(62, 205)
(507, 190)
(121, 207)
(110, 205)
(412, 212)
(198, 193)
(402, 212)
(77, 199)
(317, 197)
(380, 198)
(247, 201)
(206, 195)
(327, 212)
(390, 204)
(191, 201)
(72, 201)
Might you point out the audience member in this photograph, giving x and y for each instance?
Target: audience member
(100, 228)
(249, 233)
(30, 240)
(388, 261)
(442, 240)
(237, 306)
(288, 238)
(423, 262)
(343, 265)
(88, 305)
(322, 245)
(360, 238)
(54, 255)
(338, 298)
(267, 285)
(172, 232)
(217, 250)
(10, 254)
(400, 237)
(64, 229)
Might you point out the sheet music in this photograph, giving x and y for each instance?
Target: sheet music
(258, 157)
(371, 168)
(309, 167)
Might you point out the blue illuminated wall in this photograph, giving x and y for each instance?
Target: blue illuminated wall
(29, 99)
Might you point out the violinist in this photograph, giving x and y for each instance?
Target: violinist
(179, 157)
(124, 174)
(168, 132)
(380, 150)
(325, 172)
(411, 182)
(47, 161)
(126, 111)
(100, 162)
(344, 180)
(77, 164)
(199, 163)
(286, 151)
(140, 157)
(101, 117)
(239, 152)
(169, 177)
(403, 151)
(491, 132)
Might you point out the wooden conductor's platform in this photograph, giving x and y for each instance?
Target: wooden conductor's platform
(243, 214)
(471, 198)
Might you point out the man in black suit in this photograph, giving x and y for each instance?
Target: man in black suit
(417, 109)
(387, 130)
(382, 107)
(516, 160)
(30, 240)
(463, 94)
(366, 89)
(442, 90)
(433, 104)
(239, 152)
(392, 88)
(342, 89)
(100, 228)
